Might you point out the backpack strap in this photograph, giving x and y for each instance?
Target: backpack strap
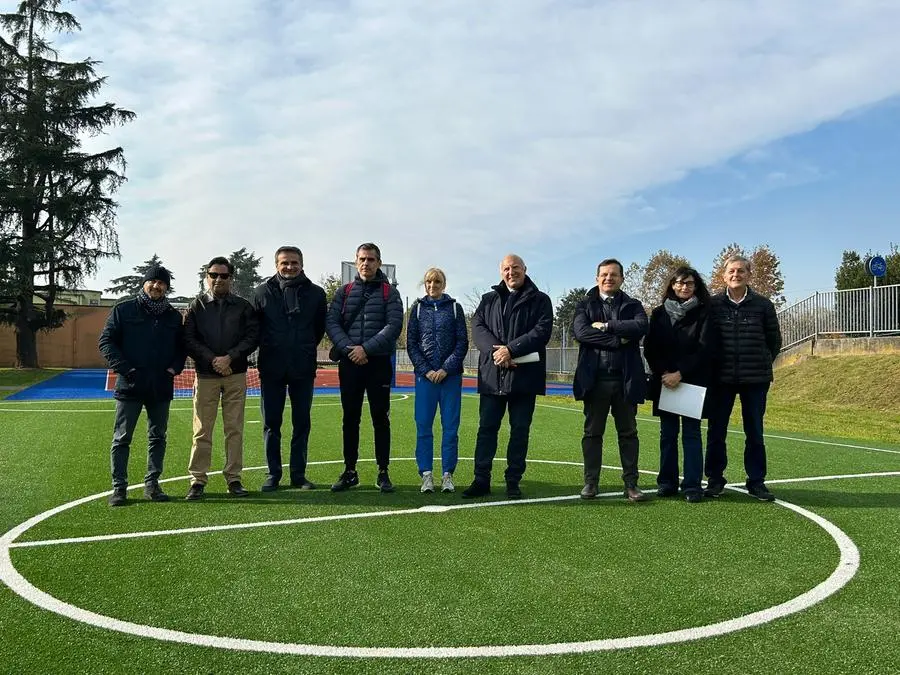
(344, 300)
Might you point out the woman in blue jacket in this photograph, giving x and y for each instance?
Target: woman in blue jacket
(680, 347)
(437, 342)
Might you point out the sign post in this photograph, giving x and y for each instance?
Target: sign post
(876, 265)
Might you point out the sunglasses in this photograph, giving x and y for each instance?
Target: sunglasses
(219, 275)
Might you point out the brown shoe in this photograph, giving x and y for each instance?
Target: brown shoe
(634, 494)
(589, 491)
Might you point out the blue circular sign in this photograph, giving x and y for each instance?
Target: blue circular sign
(876, 266)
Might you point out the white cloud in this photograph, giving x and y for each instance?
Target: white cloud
(451, 133)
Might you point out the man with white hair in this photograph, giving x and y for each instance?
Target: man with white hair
(750, 339)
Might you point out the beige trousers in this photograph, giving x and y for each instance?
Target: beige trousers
(232, 390)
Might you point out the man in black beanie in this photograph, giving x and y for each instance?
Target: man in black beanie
(291, 312)
(142, 342)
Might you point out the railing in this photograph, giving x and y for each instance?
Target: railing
(855, 312)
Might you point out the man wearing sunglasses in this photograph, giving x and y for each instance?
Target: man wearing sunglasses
(220, 331)
(291, 311)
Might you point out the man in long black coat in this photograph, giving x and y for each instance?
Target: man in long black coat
(513, 321)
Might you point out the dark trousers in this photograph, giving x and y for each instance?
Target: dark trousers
(491, 410)
(691, 441)
(609, 395)
(374, 381)
(273, 394)
(753, 409)
(127, 414)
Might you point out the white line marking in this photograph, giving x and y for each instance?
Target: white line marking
(809, 479)
(848, 564)
(399, 397)
(432, 508)
(738, 431)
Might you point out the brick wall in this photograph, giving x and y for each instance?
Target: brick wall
(72, 346)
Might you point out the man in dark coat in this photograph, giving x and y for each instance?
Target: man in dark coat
(610, 375)
(511, 328)
(364, 321)
(220, 331)
(750, 339)
(291, 312)
(142, 342)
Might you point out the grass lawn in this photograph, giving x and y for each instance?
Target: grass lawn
(16, 379)
(365, 570)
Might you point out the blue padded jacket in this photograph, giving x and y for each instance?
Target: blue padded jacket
(436, 335)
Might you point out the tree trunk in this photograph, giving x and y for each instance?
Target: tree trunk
(26, 344)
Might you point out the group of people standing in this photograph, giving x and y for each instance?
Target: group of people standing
(726, 343)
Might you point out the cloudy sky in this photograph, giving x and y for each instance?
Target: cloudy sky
(453, 132)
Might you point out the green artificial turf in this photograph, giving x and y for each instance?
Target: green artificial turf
(555, 571)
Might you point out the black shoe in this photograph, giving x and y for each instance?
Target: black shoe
(195, 492)
(302, 484)
(761, 492)
(666, 491)
(714, 489)
(477, 489)
(345, 481)
(383, 482)
(154, 493)
(236, 489)
(512, 489)
(589, 491)
(270, 484)
(118, 498)
(693, 497)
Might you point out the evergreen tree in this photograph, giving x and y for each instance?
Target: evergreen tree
(246, 275)
(130, 284)
(57, 218)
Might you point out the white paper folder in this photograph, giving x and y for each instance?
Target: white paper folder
(685, 399)
(533, 357)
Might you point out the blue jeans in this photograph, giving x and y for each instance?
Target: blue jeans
(753, 410)
(127, 414)
(447, 395)
(692, 443)
(273, 395)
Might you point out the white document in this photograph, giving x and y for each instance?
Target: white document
(533, 357)
(685, 399)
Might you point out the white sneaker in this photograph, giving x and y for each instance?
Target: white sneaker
(447, 483)
(427, 482)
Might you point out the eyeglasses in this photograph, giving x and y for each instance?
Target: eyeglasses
(224, 276)
(684, 283)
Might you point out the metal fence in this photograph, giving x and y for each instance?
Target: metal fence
(856, 312)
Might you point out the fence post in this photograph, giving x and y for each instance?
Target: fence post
(871, 311)
(816, 316)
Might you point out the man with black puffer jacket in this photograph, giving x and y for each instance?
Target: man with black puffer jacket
(143, 343)
(364, 321)
(750, 339)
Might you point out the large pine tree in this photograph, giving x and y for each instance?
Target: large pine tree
(131, 284)
(57, 218)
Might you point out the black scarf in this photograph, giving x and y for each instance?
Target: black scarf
(151, 306)
(289, 291)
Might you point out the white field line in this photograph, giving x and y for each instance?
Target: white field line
(737, 431)
(399, 397)
(847, 566)
(809, 479)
